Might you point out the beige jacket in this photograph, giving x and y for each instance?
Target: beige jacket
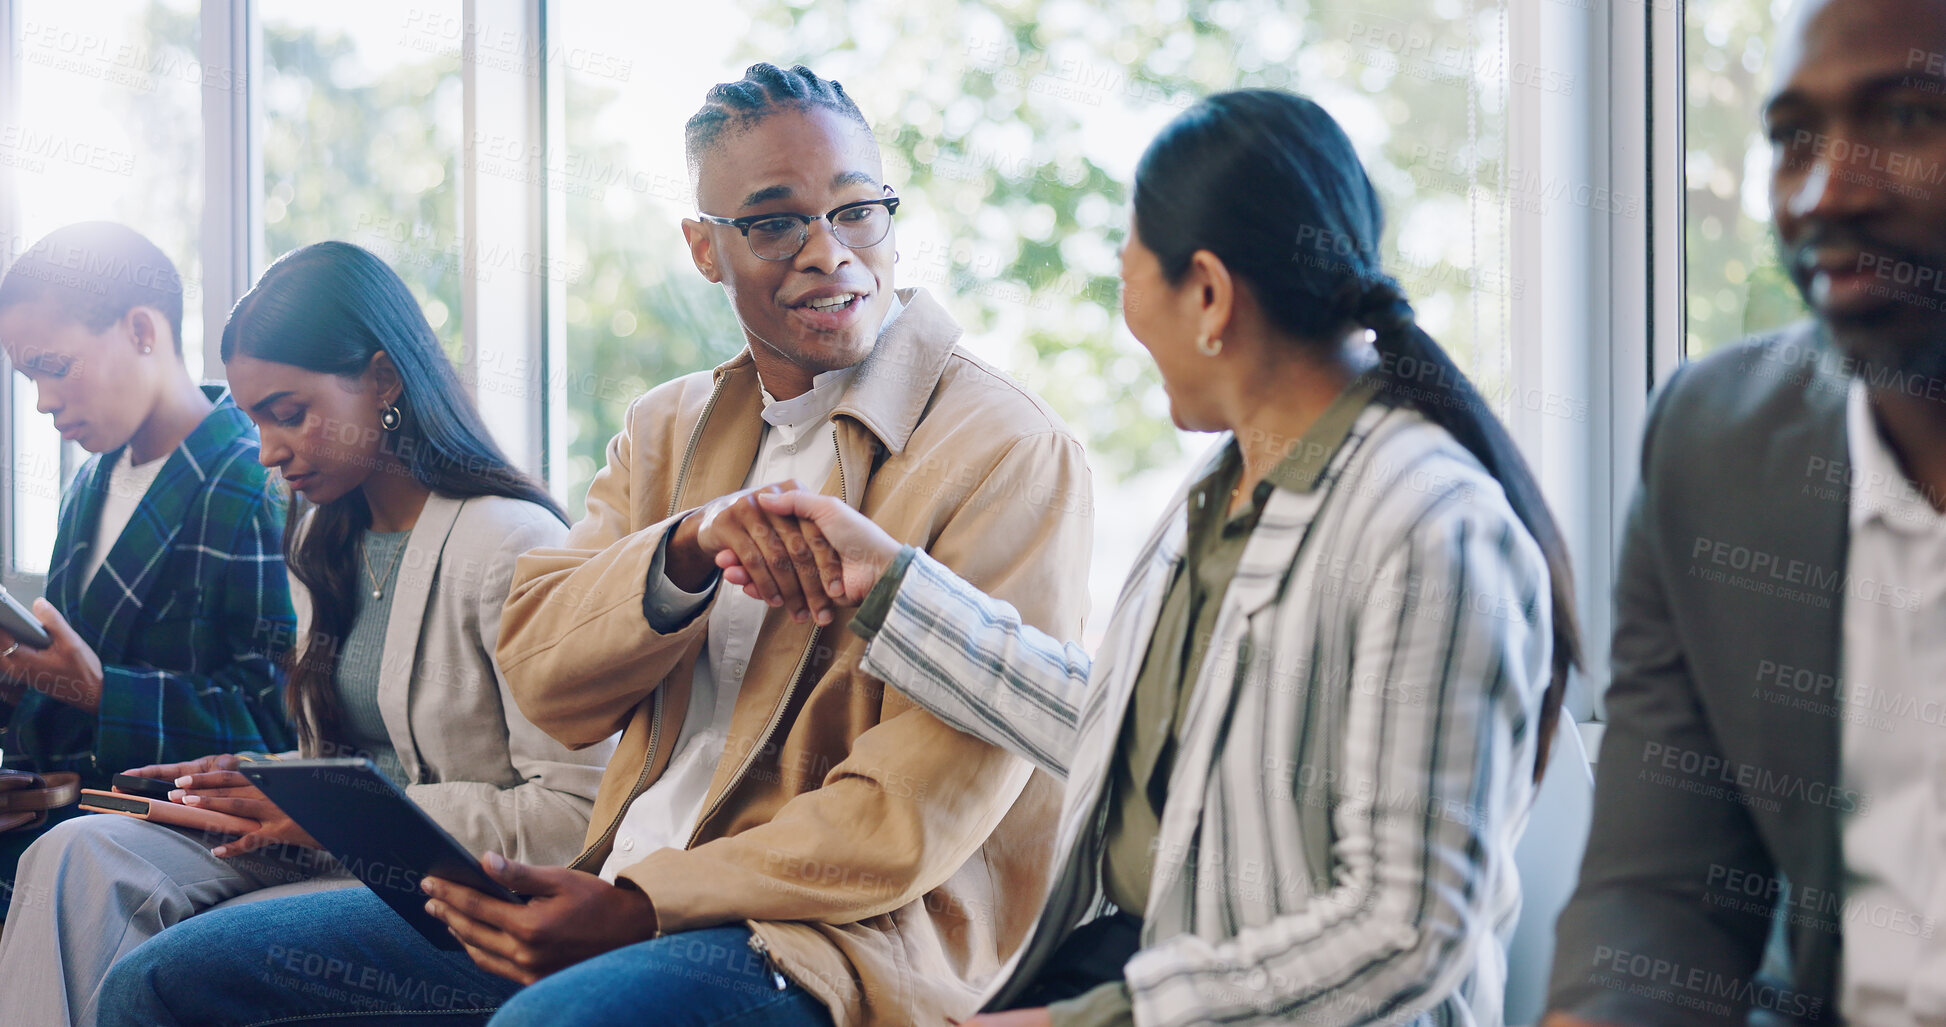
(473, 762)
(885, 861)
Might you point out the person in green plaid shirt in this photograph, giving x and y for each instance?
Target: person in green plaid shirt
(167, 598)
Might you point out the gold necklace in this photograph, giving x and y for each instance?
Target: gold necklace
(378, 582)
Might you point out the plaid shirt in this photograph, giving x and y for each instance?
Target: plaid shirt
(187, 613)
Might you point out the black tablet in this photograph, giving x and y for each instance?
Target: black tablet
(378, 834)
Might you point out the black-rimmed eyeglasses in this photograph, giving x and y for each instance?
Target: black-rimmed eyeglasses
(858, 225)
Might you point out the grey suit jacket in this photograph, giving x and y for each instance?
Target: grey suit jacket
(473, 760)
(1718, 797)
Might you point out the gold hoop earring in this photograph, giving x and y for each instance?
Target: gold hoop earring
(390, 418)
(1209, 347)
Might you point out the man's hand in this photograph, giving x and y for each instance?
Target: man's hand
(571, 916)
(67, 670)
(212, 783)
(774, 549)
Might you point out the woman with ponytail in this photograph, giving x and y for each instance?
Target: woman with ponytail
(404, 524)
(1298, 766)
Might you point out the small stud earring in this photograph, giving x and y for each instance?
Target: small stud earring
(146, 350)
(1209, 347)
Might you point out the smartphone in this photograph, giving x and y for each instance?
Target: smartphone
(172, 813)
(146, 787)
(21, 623)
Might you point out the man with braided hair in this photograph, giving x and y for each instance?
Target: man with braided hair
(780, 838)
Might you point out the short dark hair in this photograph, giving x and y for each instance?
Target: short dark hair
(95, 272)
(763, 90)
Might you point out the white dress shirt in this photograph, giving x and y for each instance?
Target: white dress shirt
(127, 484)
(1893, 741)
(800, 442)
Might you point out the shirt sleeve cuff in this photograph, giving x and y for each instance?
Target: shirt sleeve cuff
(1108, 1005)
(878, 602)
(668, 606)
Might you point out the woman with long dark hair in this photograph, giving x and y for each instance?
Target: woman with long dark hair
(1300, 762)
(404, 526)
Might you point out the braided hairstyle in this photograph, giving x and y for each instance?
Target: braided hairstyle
(1271, 185)
(763, 90)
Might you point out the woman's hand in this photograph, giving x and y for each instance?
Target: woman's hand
(849, 550)
(68, 670)
(212, 783)
(772, 551)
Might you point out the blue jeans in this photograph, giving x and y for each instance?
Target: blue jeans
(343, 958)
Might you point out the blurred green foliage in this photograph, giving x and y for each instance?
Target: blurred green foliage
(988, 114)
(1734, 286)
(1010, 126)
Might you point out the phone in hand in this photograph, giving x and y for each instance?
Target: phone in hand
(146, 787)
(175, 814)
(20, 622)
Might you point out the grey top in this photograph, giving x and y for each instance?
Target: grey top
(363, 729)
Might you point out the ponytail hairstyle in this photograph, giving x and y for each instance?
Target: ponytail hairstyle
(330, 307)
(1270, 184)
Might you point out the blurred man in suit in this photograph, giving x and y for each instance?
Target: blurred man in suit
(1772, 769)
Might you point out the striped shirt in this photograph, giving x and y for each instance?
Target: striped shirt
(1356, 765)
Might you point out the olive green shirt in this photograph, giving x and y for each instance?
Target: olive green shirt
(1151, 731)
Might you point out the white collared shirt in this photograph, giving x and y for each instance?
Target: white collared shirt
(128, 482)
(1893, 741)
(800, 442)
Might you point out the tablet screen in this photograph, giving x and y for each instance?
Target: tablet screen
(376, 832)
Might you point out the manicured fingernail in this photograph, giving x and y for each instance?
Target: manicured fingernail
(432, 908)
(220, 851)
(497, 862)
(185, 780)
(192, 800)
(176, 794)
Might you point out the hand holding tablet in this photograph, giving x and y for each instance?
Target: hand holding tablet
(376, 832)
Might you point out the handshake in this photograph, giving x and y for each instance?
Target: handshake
(784, 545)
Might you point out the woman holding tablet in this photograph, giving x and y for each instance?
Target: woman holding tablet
(404, 545)
(1298, 765)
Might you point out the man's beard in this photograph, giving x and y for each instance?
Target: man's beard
(1899, 346)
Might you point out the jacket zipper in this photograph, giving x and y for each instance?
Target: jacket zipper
(655, 716)
(608, 836)
(762, 949)
(695, 436)
(790, 689)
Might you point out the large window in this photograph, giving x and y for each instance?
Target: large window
(521, 165)
(1013, 144)
(1734, 286)
(107, 125)
(361, 138)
